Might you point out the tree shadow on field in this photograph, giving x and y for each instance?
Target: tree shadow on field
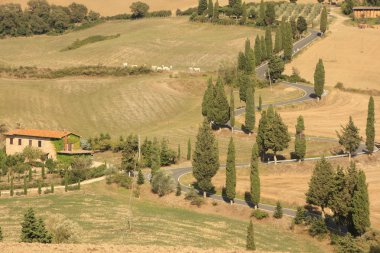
(269, 157)
(247, 199)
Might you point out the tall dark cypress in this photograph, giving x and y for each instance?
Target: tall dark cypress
(360, 202)
(188, 150)
(202, 7)
(319, 79)
(250, 237)
(257, 51)
(220, 110)
(261, 132)
(231, 172)
(268, 42)
(263, 45)
(370, 128)
(288, 42)
(207, 98)
(254, 176)
(300, 142)
(250, 117)
(323, 22)
(232, 109)
(216, 10)
(278, 40)
(210, 9)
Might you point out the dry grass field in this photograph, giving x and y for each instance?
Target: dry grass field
(289, 182)
(112, 7)
(350, 56)
(168, 41)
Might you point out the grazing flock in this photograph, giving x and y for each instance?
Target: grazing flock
(163, 68)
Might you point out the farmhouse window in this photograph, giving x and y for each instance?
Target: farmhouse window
(30, 142)
(11, 141)
(39, 144)
(19, 142)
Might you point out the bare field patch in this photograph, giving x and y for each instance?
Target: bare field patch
(350, 55)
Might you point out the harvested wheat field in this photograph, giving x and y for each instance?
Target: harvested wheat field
(350, 55)
(113, 7)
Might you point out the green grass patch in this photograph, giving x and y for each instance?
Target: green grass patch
(89, 40)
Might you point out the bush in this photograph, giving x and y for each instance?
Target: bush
(136, 192)
(63, 229)
(345, 244)
(259, 214)
(162, 184)
(122, 180)
(318, 227)
(339, 85)
(160, 14)
(278, 211)
(194, 198)
(300, 216)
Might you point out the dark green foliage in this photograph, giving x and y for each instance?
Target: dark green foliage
(140, 178)
(79, 12)
(288, 42)
(276, 67)
(202, 7)
(25, 187)
(244, 81)
(323, 22)
(121, 179)
(232, 108)
(257, 51)
(12, 188)
(277, 214)
(300, 141)
(301, 25)
(231, 2)
(278, 41)
(210, 9)
(205, 158)
(162, 184)
(263, 49)
(242, 62)
(300, 216)
(140, 9)
(33, 229)
(216, 11)
(179, 152)
(250, 117)
(188, 150)
(270, 14)
(155, 157)
(260, 138)
(250, 237)
(268, 42)
(43, 172)
(89, 40)
(167, 155)
(250, 64)
(208, 98)
(254, 176)
(259, 214)
(319, 78)
(261, 18)
(347, 244)
(194, 198)
(130, 150)
(237, 8)
(231, 172)
(220, 110)
(321, 184)
(360, 206)
(370, 127)
(293, 26)
(260, 103)
(244, 14)
(349, 137)
(347, 7)
(318, 227)
(178, 190)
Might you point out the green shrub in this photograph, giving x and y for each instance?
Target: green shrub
(318, 227)
(194, 198)
(278, 211)
(63, 229)
(178, 190)
(162, 184)
(122, 180)
(259, 214)
(300, 216)
(345, 244)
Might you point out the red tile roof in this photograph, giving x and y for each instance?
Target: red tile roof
(38, 133)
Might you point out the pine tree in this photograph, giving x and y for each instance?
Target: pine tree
(321, 184)
(323, 21)
(232, 109)
(25, 187)
(33, 229)
(216, 10)
(319, 79)
(300, 142)
(30, 175)
(189, 149)
(349, 137)
(260, 103)
(250, 237)
(261, 132)
(205, 158)
(210, 9)
(278, 40)
(360, 210)
(263, 49)
(268, 42)
(207, 98)
(178, 190)
(220, 111)
(12, 187)
(370, 127)
(202, 7)
(156, 157)
(66, 181)
(288, 42)
(254, 176)
(231, 172)
(39, 187)
(140, 178)
(257, 51)
(278, 211)
(179, 153)
(250, 116)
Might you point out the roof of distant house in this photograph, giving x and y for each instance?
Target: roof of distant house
(366, 8)
(39, 133)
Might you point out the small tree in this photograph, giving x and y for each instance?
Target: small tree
(216, 11)
(1, 235)
(301, 25)
(43, 172)
(349, 137)
(139, 9)
(179, 153)
(39, 187)
(25, 187)
(178, 190)
(202, 7)
(250, 237)
(260, 103)
(30, 174)
(140, 178)
(232, 110)
(254, 176)
(12, 187)
(189, 149)
(300, 215)
(319, 79)
(250, 117)
(300, 142)
(276, 67)
(323, 22)
(288, 42)
(278, 41)
(257, 51)
(208, 98)
(268, 42)
(33, 229)
(231, 172)
(162, 184)
(278, 211)
(155, 157)
(370, 127)
(210, 9)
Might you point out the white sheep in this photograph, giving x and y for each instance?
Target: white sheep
(191, 69)
(125, 64)
(154, 68)
(134, 66)
(197, 69)
(159, 68)
(166, 68)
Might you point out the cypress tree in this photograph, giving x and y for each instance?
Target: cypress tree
(300, 142)
(189, 149)
(30, 175)
(370, 127)
(360, 202)
(140, 178)
(43, 172)
(231, 172)
(244, 81)
(178, 190)
(244, 15)
(261, 132)
(319, 79)
(288, 42)
(257, 51)
(250, 64)
(242, 62)
(210, 9)
(254, 176)
(321, 185)
(39, 187)
(216, 10)
(278, 40)
(349, 137)
(52, 188)
(264, 55)
(156, 157)
(268, 42)
(250, 116)
(179, 152)
(250, 237)
(260, 103)
(323, 21)
(202, 7)
(278, 211)
(66, 182)
(220, 111)
(232, 109)
(25, 187)
(12, 187)
(205, 158)
(207, 98)
(261, 17)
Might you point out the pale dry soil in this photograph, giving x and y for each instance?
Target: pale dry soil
(350, 55)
